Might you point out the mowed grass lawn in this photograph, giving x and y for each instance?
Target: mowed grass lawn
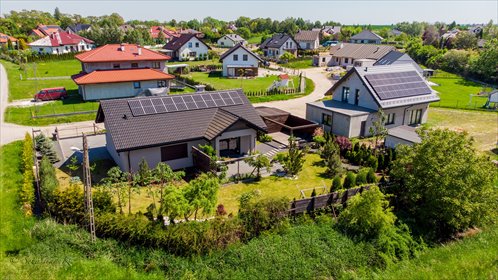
(483, 126)
(455, 92)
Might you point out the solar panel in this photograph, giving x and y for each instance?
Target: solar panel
(156, 105)
(398, 84)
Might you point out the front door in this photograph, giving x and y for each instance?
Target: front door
(230, 147)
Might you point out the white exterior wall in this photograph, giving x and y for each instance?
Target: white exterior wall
(90, 67)
(115, 90)
(227, 42)
(247, 140)
(185, 50)
(313, 44)
(340, 122)
(251, 60)
(392, 142)
(81, 46)
(354, 82)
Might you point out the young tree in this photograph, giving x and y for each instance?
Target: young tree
(73, 165)
(330, 154)
(287, 56)
(116, 180)
(258, 161)
(444, 183)
(378, 129)
(294, 159)
(166, 176)
(48, 180)
(201, 193)
(174, 204)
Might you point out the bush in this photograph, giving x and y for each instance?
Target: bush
(258, 215)
(344, 144)
(350, 181)
(27, 192)
(336, 184)
(264, 138)
(46, 148)
(371, 178)
(361, 177)
(319, 140)
(371, 162)
(48, 180)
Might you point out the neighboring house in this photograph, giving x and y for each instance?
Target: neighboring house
(278, 44)
(308, 39)
(476, 30)
(126, 27)
(366, 37)
(395, 32)
(232, 26)
(329, 30)
(165, 129)
(117, 71)
(167, 34)
(4, 39)
(230, 40)
(77, 28)
(240, 61)
(449, 36)
(186, 47)
(399, 90)
(401, 135)
(61, 42)
(395, 58)
(198, 34)
(44, 30)
(345, 54)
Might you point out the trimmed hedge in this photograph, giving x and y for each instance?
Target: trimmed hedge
(27, 192)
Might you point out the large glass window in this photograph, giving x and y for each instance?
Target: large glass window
(390, 119)
(416, 117)
(345, 94)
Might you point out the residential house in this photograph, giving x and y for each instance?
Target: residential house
(476, 30)
(186, 47)
(399, 90)
(308, 39)
(366, 37)
(198, 34)
(167, 129)
(117, 71)
(77, 28)
(126, 27)
(230, 40)
(61, 42)
(44, 30)
(4, 40)
(156, 32)
(333, 31)
(240, 61)
(448, 37)
(395, 57)
(345, 54)
(395, 32)
(278, 44)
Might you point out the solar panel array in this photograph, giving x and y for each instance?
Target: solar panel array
(177, 103)
(398, 84)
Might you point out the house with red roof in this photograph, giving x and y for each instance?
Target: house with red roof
(61, 42)
(44, 30)
(167, 34)
(122, 70)
(4, 39)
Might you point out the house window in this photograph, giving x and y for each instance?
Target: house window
(189, 44)
(192, 54)
(415, 117)
(390, 119)
(136, 85)
(134, 65)
(174, 152)
(196, 44)
(356, 97)
(327, 119)
(308, 45)
(323, 59)
(235, 57)
(116, 66)
(345, 94)
(156, 64)
(244, 57)
(161, 83)
(346, 60)
(222, 43)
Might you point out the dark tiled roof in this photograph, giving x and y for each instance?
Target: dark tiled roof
(79, 27)
(177, 42)
(135, 132)
(366, 35)
(306, 35)
(360, 51)
(276, 41)
(225, 54)
(396, 57)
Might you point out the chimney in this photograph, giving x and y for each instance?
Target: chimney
(139, 50)
(342, 46)
(122, 47)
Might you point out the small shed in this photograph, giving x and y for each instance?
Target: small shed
(402, 135)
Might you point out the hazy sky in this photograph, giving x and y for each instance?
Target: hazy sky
(346, 12)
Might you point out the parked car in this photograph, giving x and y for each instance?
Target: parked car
(51, 94)
(330, 43)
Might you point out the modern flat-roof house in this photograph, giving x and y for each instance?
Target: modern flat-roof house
(399, 90)
(61, 42)
(230, 40)
(308, 39)
(186, 47)
(165, 129)
(77, 28)
(239, 61)
(117, 71)
(366, 37)
(278, 44)
(345, 54)
(395, 58)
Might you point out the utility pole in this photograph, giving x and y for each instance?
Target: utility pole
(87, 181)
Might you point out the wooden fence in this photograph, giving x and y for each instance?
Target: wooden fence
(77, 131)
(202, 161)
(271, 92)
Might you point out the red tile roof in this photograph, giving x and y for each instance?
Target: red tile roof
(37, 32)
(168, 33)
(122, 75)
(60, 39)
(113, 52)
(4, 38)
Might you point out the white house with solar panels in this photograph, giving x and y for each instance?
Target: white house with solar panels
(399, 90)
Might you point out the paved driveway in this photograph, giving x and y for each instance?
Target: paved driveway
(70, 147)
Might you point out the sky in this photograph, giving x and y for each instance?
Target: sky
(345, 12)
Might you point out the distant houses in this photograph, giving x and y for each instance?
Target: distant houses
(230, 40)
(239, 61)
(77, 28)
(278, 44)
(160, 32)
(345, 54)
(308, 39)
(366, 37)
(186, 47)
(117, 71)
(61, 42)
(4, 40)
(42, 30)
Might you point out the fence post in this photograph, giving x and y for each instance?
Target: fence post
(94, 129)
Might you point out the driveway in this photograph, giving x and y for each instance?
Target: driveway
(297, 106)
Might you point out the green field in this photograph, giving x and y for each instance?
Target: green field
(455, 92)
(299, 64)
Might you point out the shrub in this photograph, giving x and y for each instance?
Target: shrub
(264, 138)
(371, 162)
(46, 148)
(330, 155)
(319, 140)
(48, 180)
(371, 178)
(344, 144)
(350, 181)
(361, 177)
(27, 192)
(336, 184)
(258, 215)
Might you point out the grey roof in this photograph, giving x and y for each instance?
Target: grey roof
(404, 132)
(342, 108)
(358, 51)
(177, 42)
(225, 54)
(366, 35)
(79, 27)
(129, 132)
(307, 35)
(396, 57)
(387, 70)
(234, 37)
(276, 41)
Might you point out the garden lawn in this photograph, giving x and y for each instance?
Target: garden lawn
(480, 125)
(255, 39)
(22, 115)
(195, 63)
(26, 89)
(275, 187)
(299, 64)
(455, 92)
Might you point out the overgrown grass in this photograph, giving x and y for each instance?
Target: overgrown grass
(254, 39)
(310, 87)
(299, 64)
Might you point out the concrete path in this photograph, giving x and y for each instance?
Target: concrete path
(298, 106)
